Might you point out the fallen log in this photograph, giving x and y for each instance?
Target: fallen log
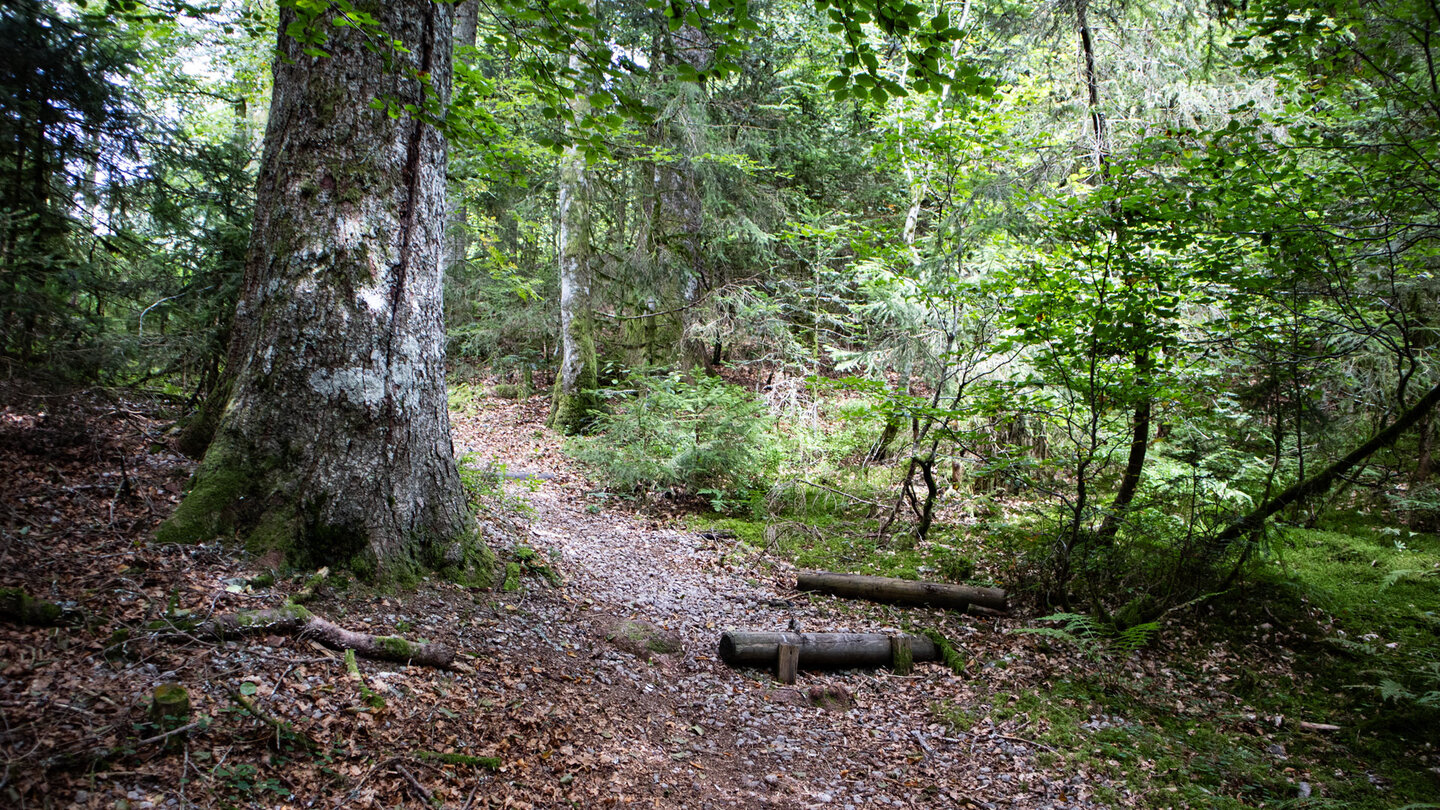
(901, 591)
(288, 619)
(819, 650)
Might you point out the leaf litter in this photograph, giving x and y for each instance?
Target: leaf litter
(542, 710)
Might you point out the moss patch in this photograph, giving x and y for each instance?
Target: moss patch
(512, 577)
(489, 763)
(19, 606)
(396, 647)
(467, 560)
(209, 509)
(643, 639)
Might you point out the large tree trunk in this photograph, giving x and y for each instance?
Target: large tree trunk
(575, 394)
(335, 446)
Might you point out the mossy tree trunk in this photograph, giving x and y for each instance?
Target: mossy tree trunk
(335, 445)
(575, 393)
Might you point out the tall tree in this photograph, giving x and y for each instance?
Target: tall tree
(575, 385)
(335, 445)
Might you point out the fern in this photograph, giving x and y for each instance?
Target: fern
(1407, 574)
(1133, 638)
(1077, 624)
(1092, 636)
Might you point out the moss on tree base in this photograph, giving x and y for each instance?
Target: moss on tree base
(573, 413)
(231, 498)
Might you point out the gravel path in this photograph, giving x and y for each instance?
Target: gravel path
(696, 733)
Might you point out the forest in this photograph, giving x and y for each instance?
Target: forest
(482, 403)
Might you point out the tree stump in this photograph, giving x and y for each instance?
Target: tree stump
(169, 710)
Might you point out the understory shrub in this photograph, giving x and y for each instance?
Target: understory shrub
(696, 434)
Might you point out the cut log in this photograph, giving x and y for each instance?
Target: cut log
(296, 619)
(169, 711)
(818, 650)
(901, 591)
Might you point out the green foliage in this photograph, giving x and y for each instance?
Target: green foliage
(669, 432)
(484, 484)
(1097, 639)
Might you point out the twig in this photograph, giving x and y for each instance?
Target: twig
(344, 800)
(1024, 741)
(920, 738)
(415, 783)
(168, 734)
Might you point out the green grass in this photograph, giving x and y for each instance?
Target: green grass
(831, 542)
(1336, 608)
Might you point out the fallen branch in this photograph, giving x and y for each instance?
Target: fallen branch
(281, 726)
(415, 783)
(489, 763)
(294, 619)
(1321, 482)
(173, 732)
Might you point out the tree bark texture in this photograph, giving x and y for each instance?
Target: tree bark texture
(574, 396)
(901, 591)
(820, 650)
(335, 446)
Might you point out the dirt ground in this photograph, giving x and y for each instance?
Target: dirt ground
(574, 717)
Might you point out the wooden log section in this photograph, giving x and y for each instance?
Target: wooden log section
(901, 591)
(819, 650)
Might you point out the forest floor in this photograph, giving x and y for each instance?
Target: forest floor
(573, 715)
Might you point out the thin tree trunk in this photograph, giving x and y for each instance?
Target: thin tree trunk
(457, 215)
(1322, 481)
(575, 396)
(1090, 76)
(1135, 464)
(335, 446)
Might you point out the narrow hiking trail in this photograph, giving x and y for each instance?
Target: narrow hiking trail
(571, 716)
(701, 734)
